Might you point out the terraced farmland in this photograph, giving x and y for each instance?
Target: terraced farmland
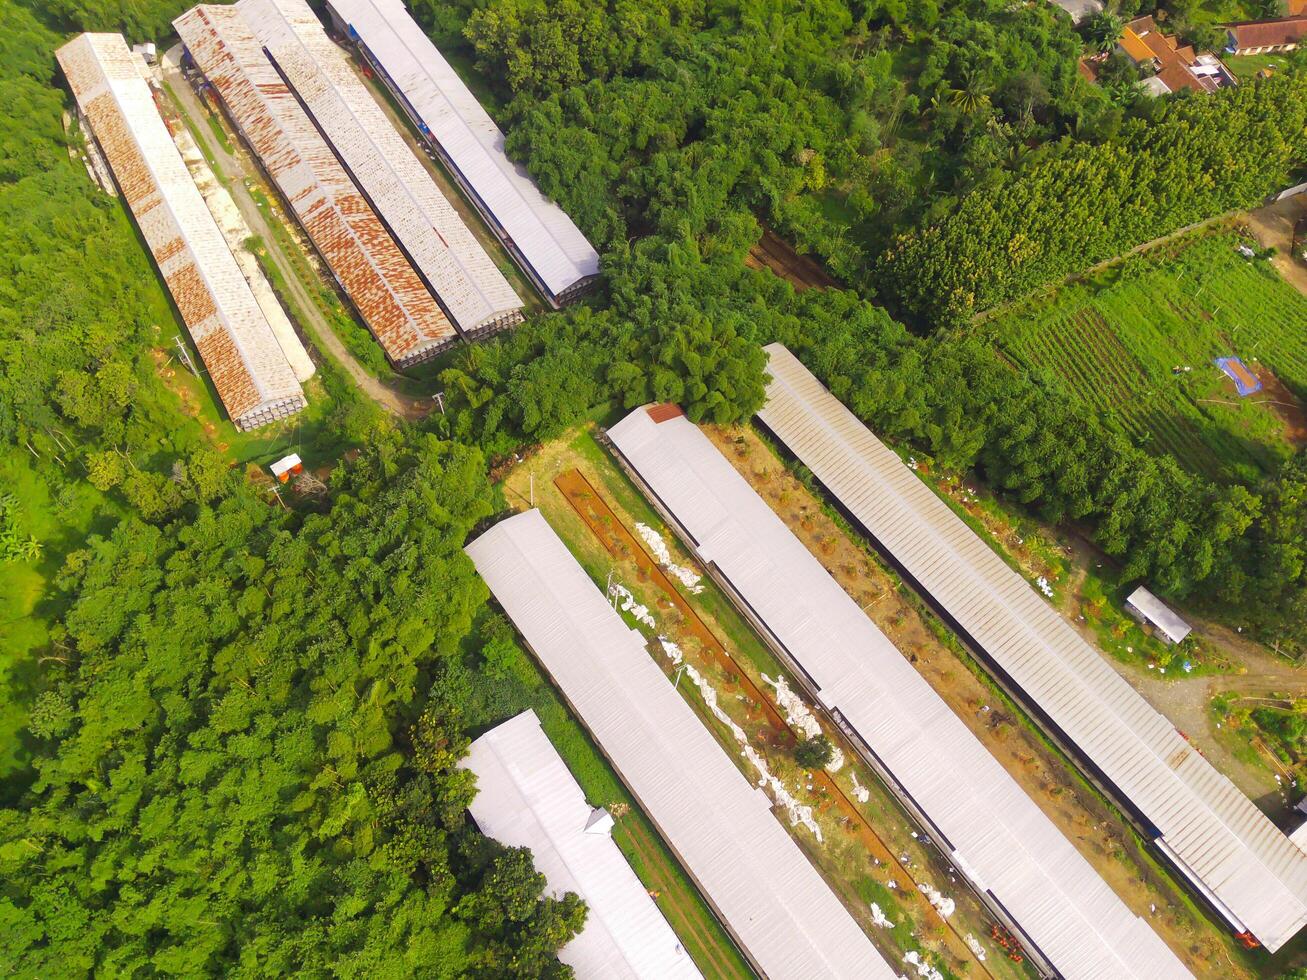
(1138, 344)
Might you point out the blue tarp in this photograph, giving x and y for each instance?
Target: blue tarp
(1244, 380)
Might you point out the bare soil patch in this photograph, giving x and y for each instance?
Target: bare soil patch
(1100, 833)
(1285, 404)
(777, 255)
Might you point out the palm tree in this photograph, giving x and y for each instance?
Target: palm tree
(973, 95)
(1105, 30)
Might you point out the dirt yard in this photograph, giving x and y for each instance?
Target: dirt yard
(776, 254)
(1096, 829)
(870, 852)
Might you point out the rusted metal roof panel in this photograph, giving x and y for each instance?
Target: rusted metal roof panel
(388, 294)
(548, 245)
(472, 290)
(240, 351)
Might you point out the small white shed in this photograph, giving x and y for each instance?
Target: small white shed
(1147, 608)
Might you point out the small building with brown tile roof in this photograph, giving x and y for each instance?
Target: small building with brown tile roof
(1175, 66)
(1266, 36)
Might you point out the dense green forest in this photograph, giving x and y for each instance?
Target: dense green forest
(232, 727)
(226, 747)
(670, 144)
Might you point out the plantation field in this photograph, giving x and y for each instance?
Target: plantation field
(1138, 342)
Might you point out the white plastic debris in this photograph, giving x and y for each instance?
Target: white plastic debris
(1044, 587)
(797, 812)
(973, 944)
(860, 792)
(628, 604)
(944, 905)
(880, 918)
(672, 650)
(686, 576)
(801, 717)
(923, 968)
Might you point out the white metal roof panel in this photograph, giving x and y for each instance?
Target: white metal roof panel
(389, 296)
(248, 368)
(397, 184)
(999, 836)
(526, 797)
(1205, 821)
(1159, 614)
(721, 827)
(559, 255)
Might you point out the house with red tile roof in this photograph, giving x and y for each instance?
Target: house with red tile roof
(1266, 36)
(1174, 66)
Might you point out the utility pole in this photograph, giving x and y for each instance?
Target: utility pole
(676, 682)
(185, 354)
(533, 487)
(440, 401)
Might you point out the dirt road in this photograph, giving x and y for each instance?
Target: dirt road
(235, 168)
(1273, 227)
(1186, 702)
(1093, 828)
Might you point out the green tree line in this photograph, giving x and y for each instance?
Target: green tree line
(229, 761)
(1079, 203)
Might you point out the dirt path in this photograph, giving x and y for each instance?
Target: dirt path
(1186, 702)
(1097, 831)
(235, 171)
(777, 255)
(617, 538)
(1273, 227)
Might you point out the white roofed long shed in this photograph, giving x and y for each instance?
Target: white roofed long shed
(1227, 848)
(403, 316)
(1029, 874)
(526, 797)
(245, 362)
(426, 226)
(781, 913)
(547, 245)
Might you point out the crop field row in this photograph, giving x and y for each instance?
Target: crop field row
(1138, 344)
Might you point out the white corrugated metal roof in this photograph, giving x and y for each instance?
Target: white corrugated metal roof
(245, 362)
(398, 185)
(999, 836)
(1213, 830)
(553, 247)
(527, 798)
(774, 902)
(389, 296)
(1159, 614)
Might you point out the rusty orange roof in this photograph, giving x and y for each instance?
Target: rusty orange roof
(379, 280)
(1269, 33)
(244, 361)
(1135, 46)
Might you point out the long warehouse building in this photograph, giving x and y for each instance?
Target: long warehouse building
(240, 351)
(396, 183)
(543, 240)
(783, 916)
(392, 301)
(526, 797)
(1068, 918)
(1228, 850)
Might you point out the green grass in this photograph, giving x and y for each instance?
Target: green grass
(220, 134)
(1245, 67)
(522, 685)
(1115, 341)
(60, 509)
